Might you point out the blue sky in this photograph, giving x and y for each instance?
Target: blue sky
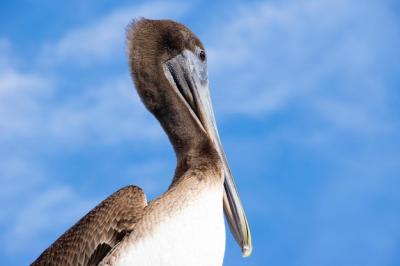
(306, 95)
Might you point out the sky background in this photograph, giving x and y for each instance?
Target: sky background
(306, 95)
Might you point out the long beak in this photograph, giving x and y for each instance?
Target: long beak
(187, 74)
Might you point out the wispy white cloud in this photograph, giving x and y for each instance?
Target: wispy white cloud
(281, 54)
(105, 37)
(358, 222)
(41, 215)
(110, 112)
(354, 117)
(105, 110)
(32, 204)
(21, 95)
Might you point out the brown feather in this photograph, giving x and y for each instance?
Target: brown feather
(90, 239)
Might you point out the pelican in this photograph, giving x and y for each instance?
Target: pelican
(185, 225)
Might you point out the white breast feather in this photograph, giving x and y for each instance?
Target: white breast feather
(194, 236)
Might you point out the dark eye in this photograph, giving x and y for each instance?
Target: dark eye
(202, 55)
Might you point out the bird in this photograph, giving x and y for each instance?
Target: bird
(184, 225)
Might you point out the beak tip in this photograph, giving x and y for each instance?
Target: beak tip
(246, 251)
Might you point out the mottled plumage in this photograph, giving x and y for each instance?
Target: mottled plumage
(185, 225)
(93, 236)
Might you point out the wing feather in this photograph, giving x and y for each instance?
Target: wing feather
(93, 236)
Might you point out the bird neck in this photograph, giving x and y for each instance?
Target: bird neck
(192, 146)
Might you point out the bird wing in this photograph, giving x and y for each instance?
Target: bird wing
(93, 236)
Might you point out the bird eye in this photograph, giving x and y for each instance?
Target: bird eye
(202, 55)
